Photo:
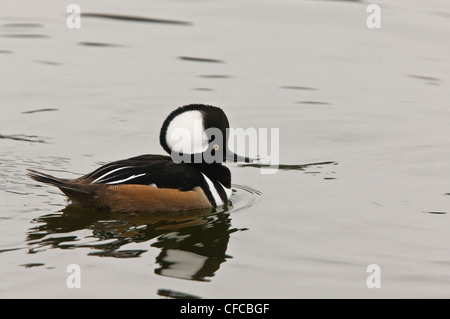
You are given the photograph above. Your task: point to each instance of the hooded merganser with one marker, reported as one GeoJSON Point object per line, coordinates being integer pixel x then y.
{"type": "Point", "coordinates": [193, 177]}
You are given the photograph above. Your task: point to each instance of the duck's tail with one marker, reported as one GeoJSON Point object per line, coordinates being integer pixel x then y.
{"type": "Point", "coordinates": [66, 186]}
{"type": "Point", "coordinates": [45, 178]}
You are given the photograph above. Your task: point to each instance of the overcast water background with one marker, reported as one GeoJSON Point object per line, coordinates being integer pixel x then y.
{"type": "Point", "coordinates": [370, 105]}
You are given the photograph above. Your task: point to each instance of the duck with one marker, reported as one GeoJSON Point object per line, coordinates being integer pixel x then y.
{"type": "Point", "coordinates": [192, 177]}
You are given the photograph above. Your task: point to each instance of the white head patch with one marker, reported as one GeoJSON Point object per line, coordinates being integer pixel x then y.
{"type": "Point", "coordinates": [186, 134]}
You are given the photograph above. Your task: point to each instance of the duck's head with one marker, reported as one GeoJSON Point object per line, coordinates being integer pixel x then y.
{"type": "Point", "coordinates": [197, 133]}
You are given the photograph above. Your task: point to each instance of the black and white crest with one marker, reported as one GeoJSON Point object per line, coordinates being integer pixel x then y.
{"type": "Point", "coordinates": [196, 129]}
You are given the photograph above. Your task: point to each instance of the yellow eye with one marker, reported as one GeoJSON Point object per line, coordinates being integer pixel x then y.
{"type": "Point", "coordinates": [216, 147]}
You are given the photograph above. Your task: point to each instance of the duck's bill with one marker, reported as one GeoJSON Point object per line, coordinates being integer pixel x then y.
{"type": "Point", "coordinates": [232, 157]}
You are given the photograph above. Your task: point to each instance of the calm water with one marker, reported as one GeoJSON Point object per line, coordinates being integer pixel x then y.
{"type": "Point", "coordinates": [364, 139]}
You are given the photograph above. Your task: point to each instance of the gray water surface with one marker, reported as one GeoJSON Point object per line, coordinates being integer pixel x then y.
{"type": "Point", "coordinates": [364, 123]}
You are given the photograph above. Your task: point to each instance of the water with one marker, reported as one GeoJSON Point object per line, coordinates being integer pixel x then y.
{"type": "Point", "coordinates": [364, 142]}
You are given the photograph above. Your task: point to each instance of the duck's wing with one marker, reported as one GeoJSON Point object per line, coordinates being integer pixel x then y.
{"type": "Point", "coordinates": [149, 170]}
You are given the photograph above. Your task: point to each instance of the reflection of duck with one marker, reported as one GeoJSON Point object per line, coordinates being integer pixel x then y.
{"type": "Point", "coordinates": [195, 135]}
{"type": "Point", "coordinates": [193, 243]}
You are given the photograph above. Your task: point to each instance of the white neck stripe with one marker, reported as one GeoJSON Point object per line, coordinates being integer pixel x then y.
{"type": "Point", "coordinates": [213, 191]}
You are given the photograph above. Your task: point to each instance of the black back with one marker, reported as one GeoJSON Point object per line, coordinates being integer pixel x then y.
{"type": "Point", "coordinates": [161, 171]}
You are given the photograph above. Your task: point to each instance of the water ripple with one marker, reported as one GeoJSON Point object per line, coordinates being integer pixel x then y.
{"type": "Point", "coordinates": [122, 17]}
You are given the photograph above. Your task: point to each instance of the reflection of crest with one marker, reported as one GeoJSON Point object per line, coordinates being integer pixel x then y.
{"type": "Point", "coordinates": [195, 252]}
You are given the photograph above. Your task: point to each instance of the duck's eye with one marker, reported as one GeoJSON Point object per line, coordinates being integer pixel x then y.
{"type": "Point", "coordinates": [216, 147]}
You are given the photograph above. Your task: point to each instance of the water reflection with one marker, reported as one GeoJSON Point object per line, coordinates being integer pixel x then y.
{"type": "Point", "coordinates": [195, 252]}
{"type": "Point", "coordinates": [297, 167]}
{"type": "Point", "coordinates": [192, 244]}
